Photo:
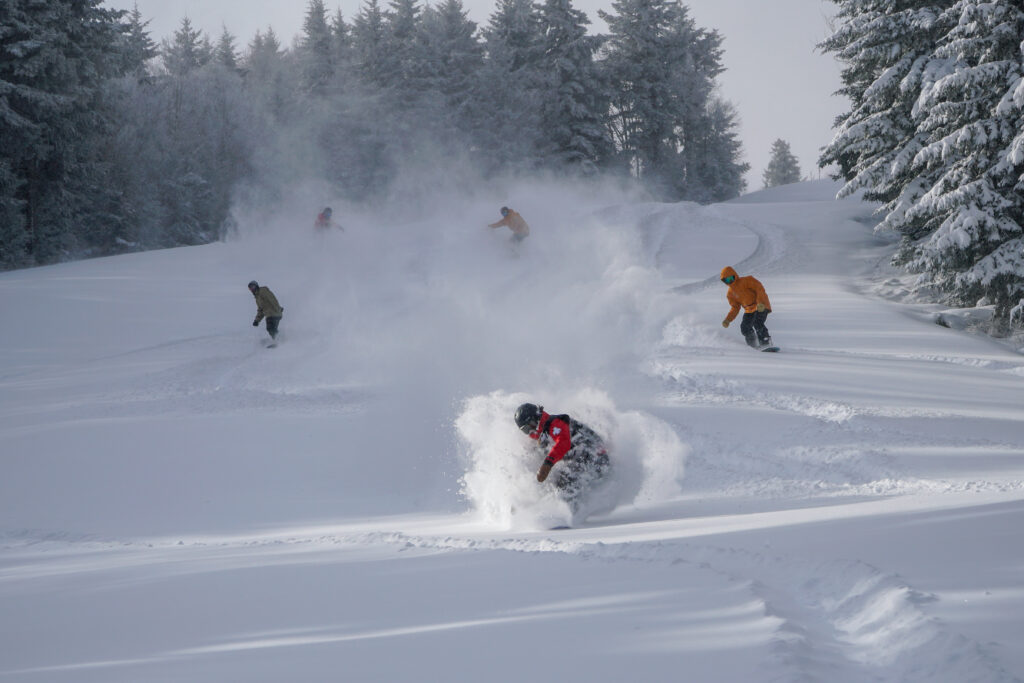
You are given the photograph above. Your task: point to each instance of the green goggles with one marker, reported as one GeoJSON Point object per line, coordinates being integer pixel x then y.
{"type": "Point", "coordinates": [729, 279]}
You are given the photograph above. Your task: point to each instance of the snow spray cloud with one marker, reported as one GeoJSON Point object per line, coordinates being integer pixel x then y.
{"type": "Point", "coordinates": [425, 303]}
{"type": "Point", "coordinates": [501, 463]}
{"type": "Point", "coordinates": [443, 298]}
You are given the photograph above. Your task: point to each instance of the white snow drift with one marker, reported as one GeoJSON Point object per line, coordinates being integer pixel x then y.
{"type": "Point", "coordinates": [180, 503]}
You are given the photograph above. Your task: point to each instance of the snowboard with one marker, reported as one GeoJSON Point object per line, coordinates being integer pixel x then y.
{"type": "Point", "coordinates": [559, 527]}
{"type": "Point", "coordinates": [770, 349]}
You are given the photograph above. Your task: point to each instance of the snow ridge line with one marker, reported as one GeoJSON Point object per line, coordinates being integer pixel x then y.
{"type": "Point", "coordinates": [694, 388]}
{"type": "Point", "coordinates": [821, 450]}
{"type": "Point", "coordinates": [771, 240]}
{"type": "Point", "coordinates": [768, 250]}
{"type": "Point", "coordinates": [878, 626]}
{"type": "Point", "coordinates": [710, 389]}
{"type": "Point", "coordinates": [877, 619]}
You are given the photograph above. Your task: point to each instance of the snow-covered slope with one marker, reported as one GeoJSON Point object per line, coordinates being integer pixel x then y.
{"type": "Point", "coordinates": [180, 503]}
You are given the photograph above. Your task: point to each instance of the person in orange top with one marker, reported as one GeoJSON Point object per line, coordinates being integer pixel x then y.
{"type": "Point", "coordinates": [514, 222]}
{"type": "Point", "coordinates": [749, 293]}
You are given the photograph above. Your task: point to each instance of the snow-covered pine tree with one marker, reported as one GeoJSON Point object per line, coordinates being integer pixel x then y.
{"type": "Point", "coordinates": [697, 55]}
{"type": "Point", "coordinates": [271, 76]}
{"type": "Point", "coordinates": [21, 98]}
{"type": "Point", "coordinates": [640, 74]}
{"type": "Point", "coordinates": [403, 70]}
{"type": "Point", "coordinates": [369, 44]}
{"type": "Point", "coordinates": [264, 57]}
{"type": "Point", "coordinates": [402, 99]}
{"type": "Point", "coordinates": [138, 48]}
{"type": "Point", "coordinates": [187, 51]}
{"type": "Point", "coordinates": [783, 168]}
{"type": "Point", "coordinates": [14, 239]}
{"type": "Point", "coordinates": [716, 172]}
{"type": "Point", "coordinates": [662, 69]}
{"type": "Point", "coordinates": [453, 58]}
{"type": "Point", "coordinates": [225, 53]}
{"type": "Point", "coordinates": [506, 100]}
{"type": "Point", "coordinates": [973, 117]}
{"type": "Point", "coordinates": [341, 41]}
{"type": "Point", "coordinates": [185, 141]}
{"type": "Point", "coordinates": [573, 96]}
{"type": "Point", "coordinates": [886, 47]}
{"type": "Point", "coordinates": [55, 59]}
{"type": "Point", "coordinates": [513, 34]}
{"type": "Point", "coordinates": [316, 50]}
{"type": "Point", "coordinates": [366, 131]}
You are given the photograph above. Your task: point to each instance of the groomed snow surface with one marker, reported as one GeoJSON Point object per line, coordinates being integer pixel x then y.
{"type": "Point", "coordinates": [179, 503]}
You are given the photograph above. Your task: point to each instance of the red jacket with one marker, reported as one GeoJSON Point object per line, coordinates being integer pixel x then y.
{"type": "Point", "coordinates": [558, 430]}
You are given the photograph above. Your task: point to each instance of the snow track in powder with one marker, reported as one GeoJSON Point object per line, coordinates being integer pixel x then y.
{"type": "Point", "coordinates": [824, 619]}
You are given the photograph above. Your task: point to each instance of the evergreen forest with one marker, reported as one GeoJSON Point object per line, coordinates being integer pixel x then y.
{"type": "Point", "coordinates": [112, 140]}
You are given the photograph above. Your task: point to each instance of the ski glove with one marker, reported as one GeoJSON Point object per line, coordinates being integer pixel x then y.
{"type": "Point", "coordinates": [725, 323]}
{"type": "Point", "coordinates": [255, 323]}
{"type": "Point", "coordinates": [761, 308]}
{"type": "Point", "coordinates": [543, 472]}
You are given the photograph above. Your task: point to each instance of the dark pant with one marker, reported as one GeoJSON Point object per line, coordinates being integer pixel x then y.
{"type": "Point", "coordinates": [579, 471]}
{"type": "Point", "coordinates": [753, 329]}
{"type": "Point", "coordinates": [272, 323]}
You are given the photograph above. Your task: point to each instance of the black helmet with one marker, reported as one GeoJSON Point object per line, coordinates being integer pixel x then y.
{"type": "Point", "coordinates": [504, 211]}
{"type": "Point", "coordinates": [254, 285]}
{"type": "Point", "coordinates": [528, 417]}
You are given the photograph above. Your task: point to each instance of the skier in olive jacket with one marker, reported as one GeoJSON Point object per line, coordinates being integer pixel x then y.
{"type": "Point", "coordinates": [581, 451]}
{"type": "Point", "coordinates": [266, 306]}
{"type": "Point", "coordinates": [749, 293]}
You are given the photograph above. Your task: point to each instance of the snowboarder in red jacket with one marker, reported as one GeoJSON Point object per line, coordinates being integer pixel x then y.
{"type": "Point", "coordinates": [581, 451]}
{"type": "Point", "coordinates": [323, 219]}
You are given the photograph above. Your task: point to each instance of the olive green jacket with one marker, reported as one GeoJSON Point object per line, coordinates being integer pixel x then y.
{"type": "Point", "coordinates": [266, 304]}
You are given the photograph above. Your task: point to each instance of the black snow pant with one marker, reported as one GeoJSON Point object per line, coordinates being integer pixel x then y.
{"type": "Point", "coordinates": [272, 323]}
{"type": "Point", "coordinates": [578, 472]}
{"type": "Point", "coordinates": [753, 329]}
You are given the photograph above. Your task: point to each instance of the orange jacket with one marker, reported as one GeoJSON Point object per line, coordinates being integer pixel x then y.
{"type": "Point", "coordinates": [514, 222]}
{"type": "Point", "coordinates": [744, 291]}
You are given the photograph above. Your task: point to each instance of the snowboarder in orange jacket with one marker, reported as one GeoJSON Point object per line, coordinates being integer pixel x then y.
{"type": "Point", "coordinates": [514, 222]}
{"type": "Point", "coordinates": [749, 293]}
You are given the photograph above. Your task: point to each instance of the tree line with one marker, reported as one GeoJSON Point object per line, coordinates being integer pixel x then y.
{"type": "Point", "coordinates": [935, 133]}
{"type": "Point", "coordinates": [112, 142]}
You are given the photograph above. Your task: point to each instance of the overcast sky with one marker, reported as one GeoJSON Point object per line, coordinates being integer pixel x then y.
{"type": "Point", "coordinates": [781, 85]}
